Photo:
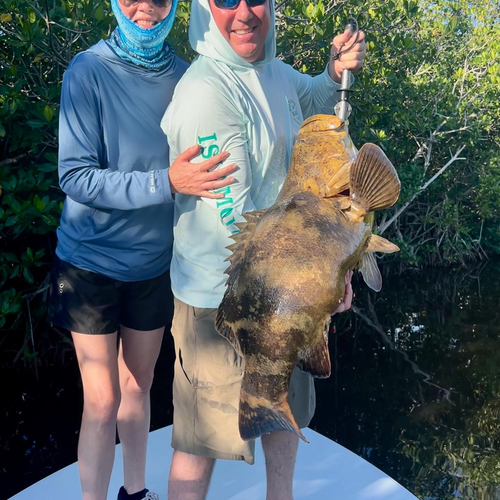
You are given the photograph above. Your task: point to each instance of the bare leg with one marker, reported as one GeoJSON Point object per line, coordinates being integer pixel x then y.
{"type": "Point", "coordinates": [101, 395]}
{"type": "Point", "coordinates": [280, 449]}
{"type": "Point", "coordinates": [136, 361]}
{"type": "Point", "coordinates": [189, 476]}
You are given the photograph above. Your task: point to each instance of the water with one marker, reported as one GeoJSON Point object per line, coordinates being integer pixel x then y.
{"type": "Point", "coordinates": [415, 389]}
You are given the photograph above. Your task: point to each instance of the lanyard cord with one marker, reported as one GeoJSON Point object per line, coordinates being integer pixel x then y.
{"type": "Point", "coordinates": [353, 27]}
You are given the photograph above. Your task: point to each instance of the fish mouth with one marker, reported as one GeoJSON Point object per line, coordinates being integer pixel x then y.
{"type": "Point", "coordinates": [323, 124]}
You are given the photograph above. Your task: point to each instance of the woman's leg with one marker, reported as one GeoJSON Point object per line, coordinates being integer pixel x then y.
{"type": "Point", "coordinates": [101, 395]}
{"type": "Point", "coordinates": [137, 357]}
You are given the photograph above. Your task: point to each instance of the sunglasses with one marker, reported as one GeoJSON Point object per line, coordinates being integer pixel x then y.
{"type": "Point", "coordinates": [162, 4]}
{"type": "Point", "coordinates": [232, 4]}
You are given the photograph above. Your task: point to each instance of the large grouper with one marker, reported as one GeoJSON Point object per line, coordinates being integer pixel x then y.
{"type": "Point", "coordinates": [288, 265]}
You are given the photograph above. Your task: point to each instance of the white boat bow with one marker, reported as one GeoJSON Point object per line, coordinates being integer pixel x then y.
{"type": "Point", "coordinates": [324, 470]}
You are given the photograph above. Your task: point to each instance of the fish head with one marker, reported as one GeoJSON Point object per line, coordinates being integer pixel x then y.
{"type": "Point", "coordinates": [321, 158]}
{"type": "Point", "coordinates": [318, 124]}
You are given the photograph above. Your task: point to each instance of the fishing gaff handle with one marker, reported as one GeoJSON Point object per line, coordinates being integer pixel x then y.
{"type": "Point", "coordinates": [343, 108]}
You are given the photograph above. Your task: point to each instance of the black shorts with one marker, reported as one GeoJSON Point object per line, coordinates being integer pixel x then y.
{"type": "Point", "coordinates": [86, 302]}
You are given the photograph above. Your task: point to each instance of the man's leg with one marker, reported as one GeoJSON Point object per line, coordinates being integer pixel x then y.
{"type": "Point", "coordinates": [280, 449]}
{"type": "Point", "coordinates": [189, 476]}
{"type": "Point", "coordinates": [137, 357]}
{"type": "Point", "coordinates": [101, 395]}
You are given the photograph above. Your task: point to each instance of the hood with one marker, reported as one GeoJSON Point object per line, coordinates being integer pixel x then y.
{"type": "Point", "coordinates": [206, 39]}
{"type": "Point", "coordinates": [104, 50]}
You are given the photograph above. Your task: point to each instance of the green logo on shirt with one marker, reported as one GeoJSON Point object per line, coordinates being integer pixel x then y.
{"type": "Point", "coordinates": [210, 149]}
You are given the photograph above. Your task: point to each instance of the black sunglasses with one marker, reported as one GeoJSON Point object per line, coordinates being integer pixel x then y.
{"type": "Point", "coordinates": [232, 4]}
{"type": "Point", "coordinates": [159, 3]}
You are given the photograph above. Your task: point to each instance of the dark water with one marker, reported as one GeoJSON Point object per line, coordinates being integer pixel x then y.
{"type": "Point", "coordinates": [415, 389]}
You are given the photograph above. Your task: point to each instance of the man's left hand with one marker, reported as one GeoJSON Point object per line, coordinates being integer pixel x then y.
{"type": "Point", "coordinates": [353, 59]}
{"type": "Point", "coordinates": [345, 304]}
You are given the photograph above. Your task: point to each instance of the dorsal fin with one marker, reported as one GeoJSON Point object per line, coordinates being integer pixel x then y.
{"type": "Point", "coordinates": [241, 240]}
{"type": "Point", "coordinates": [370, 271]}
{"type": "Point", "coordinates": [374, 182]}
{"type": "Point", "coordinates": [378, 244]}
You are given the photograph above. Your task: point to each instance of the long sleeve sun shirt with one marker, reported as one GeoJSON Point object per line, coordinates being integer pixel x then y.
{"type": "Point", "coordinates": [252, 111]}
{"type": "Point", "coordinates": [113, 166]}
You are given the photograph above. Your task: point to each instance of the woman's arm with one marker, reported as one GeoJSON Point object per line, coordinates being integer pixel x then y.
{"type": "Point", "coordinates": [81, 173]}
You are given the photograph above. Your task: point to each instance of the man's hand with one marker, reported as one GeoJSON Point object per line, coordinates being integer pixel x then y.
{"type": "Point", "coordinates": [196, 178]}
{"type": "Point", "coordinates": [352, 60]}
{"type": "Point", "coordinates": [347, 301]}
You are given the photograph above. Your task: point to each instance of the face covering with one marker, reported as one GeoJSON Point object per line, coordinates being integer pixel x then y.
{"type": "Point", "coordinates": [145, 47]}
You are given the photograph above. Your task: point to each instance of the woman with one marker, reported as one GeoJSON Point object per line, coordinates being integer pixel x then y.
{"type": "Point", "coordinates": [111, 272]}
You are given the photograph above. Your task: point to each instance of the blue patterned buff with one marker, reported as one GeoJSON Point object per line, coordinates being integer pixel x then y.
{"type": "Point", "coordinates": [145, 47]}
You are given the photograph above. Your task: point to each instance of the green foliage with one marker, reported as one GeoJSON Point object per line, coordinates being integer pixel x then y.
{"type": "Point", "coordinates": [37, 42]}
{"type": "Point", "coordinates": [430, 87]}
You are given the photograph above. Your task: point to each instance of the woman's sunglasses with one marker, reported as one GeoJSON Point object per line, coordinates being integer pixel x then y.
{"type": "Point", "coordinates": [159, 3]}
{"type": "Point", "coordinates": [232, 4]}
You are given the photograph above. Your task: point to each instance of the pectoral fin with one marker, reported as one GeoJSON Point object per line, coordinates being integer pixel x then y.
{"type": "Point", "coordinates": [340, 180]}
{"type": "Point", "coordinates": [225, 328]}
{"type": "Point", "coordinates": [315, 359]}
{"type": "Point", "coordinates": [370, 271]}
{"type": "Point", "coordinates": [374, 183]}
{"type": "Point", "coordinates": [378, 244]}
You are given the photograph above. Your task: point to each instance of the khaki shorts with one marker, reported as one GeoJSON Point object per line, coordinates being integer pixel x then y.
{"type": "Point", "coordinates": [206, 392]}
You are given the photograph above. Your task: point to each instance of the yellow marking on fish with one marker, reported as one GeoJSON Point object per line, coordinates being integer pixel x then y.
{"type": "Point", "coordinates": [255, 362]}
{"type": "Point", "coordinates": [255, 401]}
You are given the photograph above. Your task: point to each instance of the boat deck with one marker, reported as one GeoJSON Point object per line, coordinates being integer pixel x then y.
{"type": "Point", "coordinates": [325, 470]}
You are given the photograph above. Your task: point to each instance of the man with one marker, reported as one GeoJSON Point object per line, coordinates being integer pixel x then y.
{"type": "Point", "coordinates": [235, 97]}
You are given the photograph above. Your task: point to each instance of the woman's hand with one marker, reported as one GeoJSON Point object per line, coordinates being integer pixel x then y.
{"type": "Point", "coordinates": [197, 179]}
{"type": "Point", "coordinates": [347, 301]}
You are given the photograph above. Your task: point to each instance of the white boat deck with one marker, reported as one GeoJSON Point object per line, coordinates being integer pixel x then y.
{"type": "Point", "coordinates": [325, 470]}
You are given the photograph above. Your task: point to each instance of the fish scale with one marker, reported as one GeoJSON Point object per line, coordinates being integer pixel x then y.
{"type": "Point", "coordinates": [287, 268]}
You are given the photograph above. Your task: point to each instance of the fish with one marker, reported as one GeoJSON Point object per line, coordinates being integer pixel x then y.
{"type": "Point", "coordinates": [288, 266]}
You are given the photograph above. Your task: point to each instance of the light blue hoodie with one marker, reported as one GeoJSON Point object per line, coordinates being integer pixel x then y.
{"type": "Point", "coordinates": [253, 111]}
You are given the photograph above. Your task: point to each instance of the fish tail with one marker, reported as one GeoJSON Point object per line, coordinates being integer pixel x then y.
{"type": "Point", "coordinates": [260, 416]}
{"type": "Point", "coordinates": [374, 182]}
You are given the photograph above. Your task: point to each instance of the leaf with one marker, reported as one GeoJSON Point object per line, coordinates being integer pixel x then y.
{"type": "Point", "coordinates": [454, 23]}
{"type": "Point", "coordinates": [10, 257]}
{"type": "Point", "coordinates": [39, 204]}
{"type": "Point", "coordinates": [99, 12]}
{"type": "Point", "coordinates": [47, 167]}
{"type": "Point", "coordinates": [28, 276]}
{"type": "Point", "coordinates": [52, 157]}
{"type": "Point", "coordinates": [2, 130]}
{"type": "Point", "coordinates": [11, 220]}
{"type": "Point", "coordinates": [48, 112]}
{"type": "Point", "coordinates": [31, 17]}
{"type": "Point", "coordinates": [5, 18]}
{"type": "Point", "coordinates": [35, 123]}
{"type": "Point", "coordinates": [310, 11]}
{"type": "Point", "coordinates": [40, 253]}
{"type": "Point", "coordinates": [14, 203]}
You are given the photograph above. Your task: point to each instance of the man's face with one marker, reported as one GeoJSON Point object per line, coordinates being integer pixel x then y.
{"type": "Point", "coordinates": [245, 28]}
